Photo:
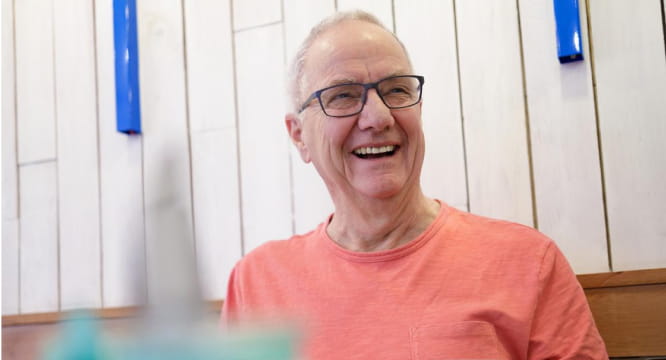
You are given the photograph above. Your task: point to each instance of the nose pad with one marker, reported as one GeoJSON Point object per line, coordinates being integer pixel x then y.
{"type": "Point", "coordinates": [375, 113]}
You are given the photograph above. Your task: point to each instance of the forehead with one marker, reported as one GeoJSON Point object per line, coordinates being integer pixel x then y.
{"type": "Point", "coordinates": [353, 51]}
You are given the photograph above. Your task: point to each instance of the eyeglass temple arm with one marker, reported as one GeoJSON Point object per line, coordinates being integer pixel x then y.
{"type": "Point", "coordinates": [307, 102]}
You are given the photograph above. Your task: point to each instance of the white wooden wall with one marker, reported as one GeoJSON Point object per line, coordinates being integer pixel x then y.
{"type": "Point", "coordinates": [575, 150]}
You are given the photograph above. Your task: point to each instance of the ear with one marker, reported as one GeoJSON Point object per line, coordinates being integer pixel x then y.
{"type": "Point", "coordinates": [295, 130]}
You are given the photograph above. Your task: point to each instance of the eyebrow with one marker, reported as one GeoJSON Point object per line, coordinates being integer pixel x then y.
{"type": "Point", "coordinates": [354, 81]}
{"type": "Point", "coordinates": [342, 81]}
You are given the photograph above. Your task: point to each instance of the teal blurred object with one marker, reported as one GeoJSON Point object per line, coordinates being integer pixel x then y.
{"type": "Point", "coordinates": [269, 346]}
{"type": "Point", "coordinates": [81, 338]}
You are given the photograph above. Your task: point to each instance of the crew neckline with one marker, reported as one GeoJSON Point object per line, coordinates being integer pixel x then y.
{"type": "Point", "coordinates": [390, 254]}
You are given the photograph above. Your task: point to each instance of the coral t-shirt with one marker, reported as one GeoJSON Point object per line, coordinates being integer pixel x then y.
{"type": "Point", "coordinates": [468, 287]}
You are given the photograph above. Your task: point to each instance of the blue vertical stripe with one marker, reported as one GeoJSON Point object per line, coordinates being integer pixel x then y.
{"type": "Point", "coordinates": [567, 21]}
{"type": "Point", "coordinates": [128, 105]}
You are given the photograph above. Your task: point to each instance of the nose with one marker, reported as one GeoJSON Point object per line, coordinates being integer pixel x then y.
{"type": "Point", "coordinates": [375, 115]}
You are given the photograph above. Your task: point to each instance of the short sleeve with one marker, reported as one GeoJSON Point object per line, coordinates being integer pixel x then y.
{"type": "Point", "coordinates": [563, 326]}
{"type": "Point", "coordinates": [232, 302]}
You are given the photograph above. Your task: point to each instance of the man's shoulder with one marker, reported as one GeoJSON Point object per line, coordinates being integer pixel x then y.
{"type": "Point", "coordinates": [503, 233]}
{"type": "Point", "coordinates": [284, 250]}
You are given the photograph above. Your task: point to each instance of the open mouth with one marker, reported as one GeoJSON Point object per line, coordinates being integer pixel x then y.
{"type": "Point", "coordinates": [373, 152]}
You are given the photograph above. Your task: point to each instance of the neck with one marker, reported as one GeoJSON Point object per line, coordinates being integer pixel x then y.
{"type": "Point", "coordinates": [381, 224]}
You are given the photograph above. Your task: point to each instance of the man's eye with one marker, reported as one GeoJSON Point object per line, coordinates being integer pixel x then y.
{"type": "Point", "coordinates": [342, 96]}
{"type": "Point", "coordinates": [398, 90]}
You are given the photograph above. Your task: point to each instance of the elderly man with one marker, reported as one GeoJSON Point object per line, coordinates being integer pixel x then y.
{"type": "Point", "coordinates": [393, 274]}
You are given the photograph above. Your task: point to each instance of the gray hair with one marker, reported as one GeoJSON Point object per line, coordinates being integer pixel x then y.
{"type": "Point", "coordinates": [295, 77]}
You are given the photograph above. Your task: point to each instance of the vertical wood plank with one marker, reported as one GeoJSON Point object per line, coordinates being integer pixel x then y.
{"type": "Point", "coordinates": [212, 113]}
{"type": "Point", "coordinates": [299, 17]}
{"type": "Point", "coordinates": [166, 152]}
{"type": "Point", "coordinates": [9, 166]}
{"type": "Point", "coordinates": [312, 203]}
{"type": "Point", "coordinates": [34, 81]}
{"type": "Point", "coordinates": [121, 185]}
{"type": "Point", "coordinates": [217, 221]}
{"type": "Point", "coordinates": [10, 267]}
{"type": "Point", "coordinates": [382, 9]}
{"type": "Point", "coordinates": [39, 265]}
{"type": "Point", "coordinates": [494, 110]}
{"type": "Point", "coordinates": [443, 174]}
{"type": "Point", "coordinates": [264, 144]}
{"type": "Point", "coordinates": [78, 182]}
{"type": "Point", "coordinates": [210, 71]}
{"type": "Point", "coordinates": [252, 13]}
{"type": "Point", "coordinates": [630, 70]}
{"type": "Point", "coordinates": [567, 174]}
{"type": "Point", "coordinates": [10, 253]}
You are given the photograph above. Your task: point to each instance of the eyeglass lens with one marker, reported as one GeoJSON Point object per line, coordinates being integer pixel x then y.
{"type": "Point", "coordinates": [347, 99]}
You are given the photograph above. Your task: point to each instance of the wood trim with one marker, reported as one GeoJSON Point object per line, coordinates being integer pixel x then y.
{"type": "Point", "coordinates": [628, 310]}
{"type": "Point", "coordinates": [630, 319]}
{"type": "Point", "coordinates": [623, 278]}
{"type": "Point", "coordinates": [107, 313]}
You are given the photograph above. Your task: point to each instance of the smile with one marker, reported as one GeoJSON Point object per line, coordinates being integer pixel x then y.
{"type": "Point", "coordinates": [372, 152]}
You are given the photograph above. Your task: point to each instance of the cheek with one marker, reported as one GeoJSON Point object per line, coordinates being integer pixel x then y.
{"type": "Point", "coordinates": [335, 132]}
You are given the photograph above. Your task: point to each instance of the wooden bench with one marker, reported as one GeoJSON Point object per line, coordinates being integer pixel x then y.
{"type": "Point", "coordinates": [630, 310]}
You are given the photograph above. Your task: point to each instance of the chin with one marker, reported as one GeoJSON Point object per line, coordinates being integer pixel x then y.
{"type": "Point", "coordinates": [381, 190]}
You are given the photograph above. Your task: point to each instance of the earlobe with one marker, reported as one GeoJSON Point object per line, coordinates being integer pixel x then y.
{"type": "Point", "coordinates": [295, 130]}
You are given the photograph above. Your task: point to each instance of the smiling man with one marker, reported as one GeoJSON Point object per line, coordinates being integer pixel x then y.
{"type": "Point", "coordinates": [393, 274]}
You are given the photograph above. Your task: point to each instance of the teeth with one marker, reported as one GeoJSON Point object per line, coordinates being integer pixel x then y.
{"type": "Point", "coordinates": [374, 150]}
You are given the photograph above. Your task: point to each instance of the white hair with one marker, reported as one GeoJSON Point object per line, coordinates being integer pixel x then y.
{"type": "Point", "coordinates": [296, 69]}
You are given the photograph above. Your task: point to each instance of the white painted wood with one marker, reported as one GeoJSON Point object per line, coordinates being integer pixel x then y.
{"type": "Point", "coordinates": [264, 145]}
{"type": "Point", "coordinates": [10, 266]}
{"type": "Point", "coordinates": [567, 173]}
{"type": "Point", "coordinates": [312, 203]}
{"type": "Point", "coordinates": [443, 174]}
{"type": "Point", "coordinates": [34, 81]}
{"type": "Point", "coordinates": [9, 167]}
{"type": "Point", "coordinates": [299, 17]}
{"type": "Point", "coordinates": [39, 266]}
{"type": "Point", "coordinates": [166, 166]}
{"type": "Point", "coordinates": [78, 182]}
{"type": "Point", "coordinates": [210, 72]}
{"type": "Point", "coordinates": [216, 208]}
{"type": "Point", "coordinates": [121, 186]}
{"type": "Point", "coordinates": [10, 232]}
{"type": "Point", "coordinates": [251, 13]}
{"type": "Point", "coordinates": [382, 9]}
{"type": "Point", "coordinates": [494, 110]}
{"type": "Point", "coordinates": [630, 69]}
{"type": "Point", "coordinates": [212, 113]}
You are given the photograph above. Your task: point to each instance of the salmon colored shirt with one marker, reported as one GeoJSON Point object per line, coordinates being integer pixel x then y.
{"type": "Point", "coordinates": [468, 287]}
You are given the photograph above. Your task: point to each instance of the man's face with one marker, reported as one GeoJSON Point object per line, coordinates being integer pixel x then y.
{"type": "Point", "coordinates": [356, 51]}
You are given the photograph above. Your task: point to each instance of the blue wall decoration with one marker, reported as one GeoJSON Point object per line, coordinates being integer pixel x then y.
{"type": "Point", "coordinates": [567, 21]}
{"type": "Point", "coordinates": [128, 105]}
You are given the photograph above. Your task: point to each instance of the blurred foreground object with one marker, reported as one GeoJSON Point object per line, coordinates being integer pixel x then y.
{"type": "Point", "coordinates": [81, 339]}
{"type": "Point", "coordinates": [175, 323]}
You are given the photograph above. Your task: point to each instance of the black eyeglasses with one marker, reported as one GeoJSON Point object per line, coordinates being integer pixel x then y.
{"type": "Point", "coordinates": [344, 100]}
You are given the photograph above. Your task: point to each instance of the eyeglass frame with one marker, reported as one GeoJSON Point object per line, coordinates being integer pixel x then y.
{"type": "Point", "coordinates": [364, 97]}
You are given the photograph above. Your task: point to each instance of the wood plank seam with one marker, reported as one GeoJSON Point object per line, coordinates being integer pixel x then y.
{"type": "Point", "coordinates": [599, 145]}
{"type": "Point", "coordinates": [528, 131]}
{"type": "Point", "coordinates": [285, 65]}
{"type": "Point", "coordinates": [460, 104]}
{"type": "Point", "coordinates": [237, 128]}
